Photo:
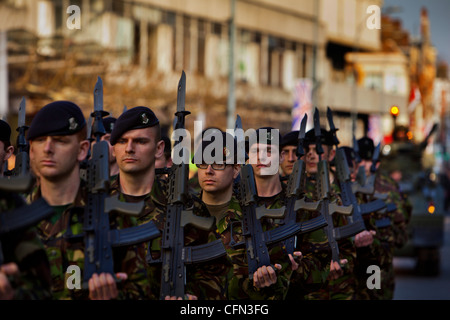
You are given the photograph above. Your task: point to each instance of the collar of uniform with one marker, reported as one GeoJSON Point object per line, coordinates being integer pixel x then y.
{"type": "Point", "coordinates": [46, 228]}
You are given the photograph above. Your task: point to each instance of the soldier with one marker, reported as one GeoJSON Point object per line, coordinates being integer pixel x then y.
{"type": "Point", "coordinates": [136, 139]}
{"type": "Point", "coordinates": [390, 237]}
{"type": "Point", "coordinates": [335, 281]}
{"type": "Point", "coordinates": [216, 182]}
{"type": "Point", "coordinates": [25, 272]}
{"type": "Point", "coordinates": [263, 154]}
{"type": "Point", "coordinates": [288, 147]}
{"type": "Point", "coordinates": [57, 137]}
{"type": "Point", "coordinates": [368, 243]}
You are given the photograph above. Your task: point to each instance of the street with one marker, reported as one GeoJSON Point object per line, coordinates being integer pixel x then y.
{"type": "Point", "coordinates": [410, 286]}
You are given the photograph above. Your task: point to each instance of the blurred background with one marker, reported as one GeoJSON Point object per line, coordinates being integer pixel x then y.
{"type": "Point", "coordinates": [270, 61]}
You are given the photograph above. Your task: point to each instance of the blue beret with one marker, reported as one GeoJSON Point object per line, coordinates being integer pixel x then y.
{"type": "Point", "coordinates": [366, 148]}
{"type": "Point", "coordinates": [5, 131]}
{"type": "Point", "coordinates": [326, 137]}
{"type": "Point", "coordinates": [57, 119]}
{"type": "Point", "coordinates": [134, 118]}
{"type": "Point", "coordinates": [290, 139]}
{"type": "Point", "coordinates": [270, 136]}
{"type": "Point", "coordinates": [229, 152]}
{"type": "Point", "coordinates": [109, 123]}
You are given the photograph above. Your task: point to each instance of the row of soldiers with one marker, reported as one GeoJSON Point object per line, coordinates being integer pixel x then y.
{"type": "Point", "coordinates": [36, 260]}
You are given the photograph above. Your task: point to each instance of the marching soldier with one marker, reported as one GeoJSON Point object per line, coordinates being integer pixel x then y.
{"type": "Point", "coordinates": [57, 137]}
{"type": "Point", "coordinates": [394, 236]}
{"type": "Point", "coordinates": [24, 267]}
{"type": "Point", "coordinates": [216, 182]}
{"type": "Point", "coordinates": [336, 280]}
{"type": "Point", "coordinates": [137, 143]}
{"type": "Point", "coordinates": [288, 147]}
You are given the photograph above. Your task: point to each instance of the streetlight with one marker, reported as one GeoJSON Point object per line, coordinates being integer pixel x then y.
{"type": "Point", "coordinates": [394, 113]}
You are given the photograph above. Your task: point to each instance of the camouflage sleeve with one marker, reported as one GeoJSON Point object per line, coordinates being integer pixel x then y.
{"type": "Point", "coordinates": [131, 260]}
{"type": "Point", "coordinates": [34, 281]}
{"type": "Point", "coordinates": [399, 217]}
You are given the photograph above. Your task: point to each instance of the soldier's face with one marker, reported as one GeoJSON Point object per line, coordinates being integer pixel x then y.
{"type": "Point", "coordinates": [56, 157]}
{"type": "Point", "coordinates": [265, 159]}
{"type": "Point", "coordinates": [311, 157]}
{"type": "Point", "coordinates": [217, 181]}
{"type": "Point", "coordinates": [136, 149]}
{"type": "Point", "coordinates": [289, 158]}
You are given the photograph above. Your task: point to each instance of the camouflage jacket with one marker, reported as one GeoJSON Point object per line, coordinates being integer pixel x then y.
{"type": "Point", "coordinates": [62, 235]}
{"type": "Point", "coordinates": [235, 280]}
{"type": "Point", "coordinates": [317, 242]}
{"type": "Point", "coordinates": [201, 278]}
{"type": "Point", "coordinates": [24, 248]}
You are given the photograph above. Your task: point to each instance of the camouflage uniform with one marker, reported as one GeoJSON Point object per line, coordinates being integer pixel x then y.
{"type": "Point", "coordinates": [236, 279]}
{"type": "Point", "coordinates": [391, 237]}
{"type": "Point", "coordinates": [65, 247]}
{"type": "Point", "coordinates": [369, 255]}
{"type": "Point", "coordinates": [26, 250]}
{"type": "Point", "coordinates": [321, 287]}
{"type": "Point", "coordinates": [200, 277]}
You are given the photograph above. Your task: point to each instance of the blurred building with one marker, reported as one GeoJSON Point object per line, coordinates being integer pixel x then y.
{"type": "Point", "coordinates": [140, 47]}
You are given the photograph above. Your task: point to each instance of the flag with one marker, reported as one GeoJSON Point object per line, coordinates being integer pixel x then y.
{"type": "Point", "coordinates": [414, 99]}
{"type": "Point", "coordinates": [302, 102]}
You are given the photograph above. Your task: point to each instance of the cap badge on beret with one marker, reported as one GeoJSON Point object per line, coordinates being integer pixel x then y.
{"type": "Point", "coordinates": [144, 118]}
{"type": "Point", "coordinates": [73, 125]}
{"type": "Point", "coordinates": [226, 152]}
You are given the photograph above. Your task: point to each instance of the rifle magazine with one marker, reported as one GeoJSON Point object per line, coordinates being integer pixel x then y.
{"type": "Point", "coordinates": [133, 235]}
{"type": "Point", "coordinates": [349, 230]}
{"type": "Point", "coordinates": [205, 252]}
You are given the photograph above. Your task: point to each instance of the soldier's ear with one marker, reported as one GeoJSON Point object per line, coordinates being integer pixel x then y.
{"type": "Point", "coordinates": [8, 153]}
{"type": "Point", "coordinates": [331, 154]}
{"type": "Point", "coordinates": [83, 150]}
{"type": "Point", "coordinates": [160, 149]}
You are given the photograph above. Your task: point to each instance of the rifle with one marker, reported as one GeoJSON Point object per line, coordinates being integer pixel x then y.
{"type": "Point", "coordinates": [24, 216]}
{"type": "Point", "coordinates": [366, 186]}
{"type": "Point", "coordinates": [22, 163]}
{"type": "Point", "coordinates": [99, 239]}
{"type": "Point", "coordinates": [356, 221]}
{"type": "Point", "coordinates": [84, 163]}
{"type": "Point", "coordinates": [175, 255]}
{"type": "Point", "coordinates": [295, 192]}
{"type": "Point", "coordinates": [327, 208]}
{"type": "Point", "coordinates": [256, 240]}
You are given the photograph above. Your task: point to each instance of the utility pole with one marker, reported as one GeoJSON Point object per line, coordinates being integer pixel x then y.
{"type": "Point", "coordinates": [231, 102]}
{"type": "Point", "coordinates": [3, 75]}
